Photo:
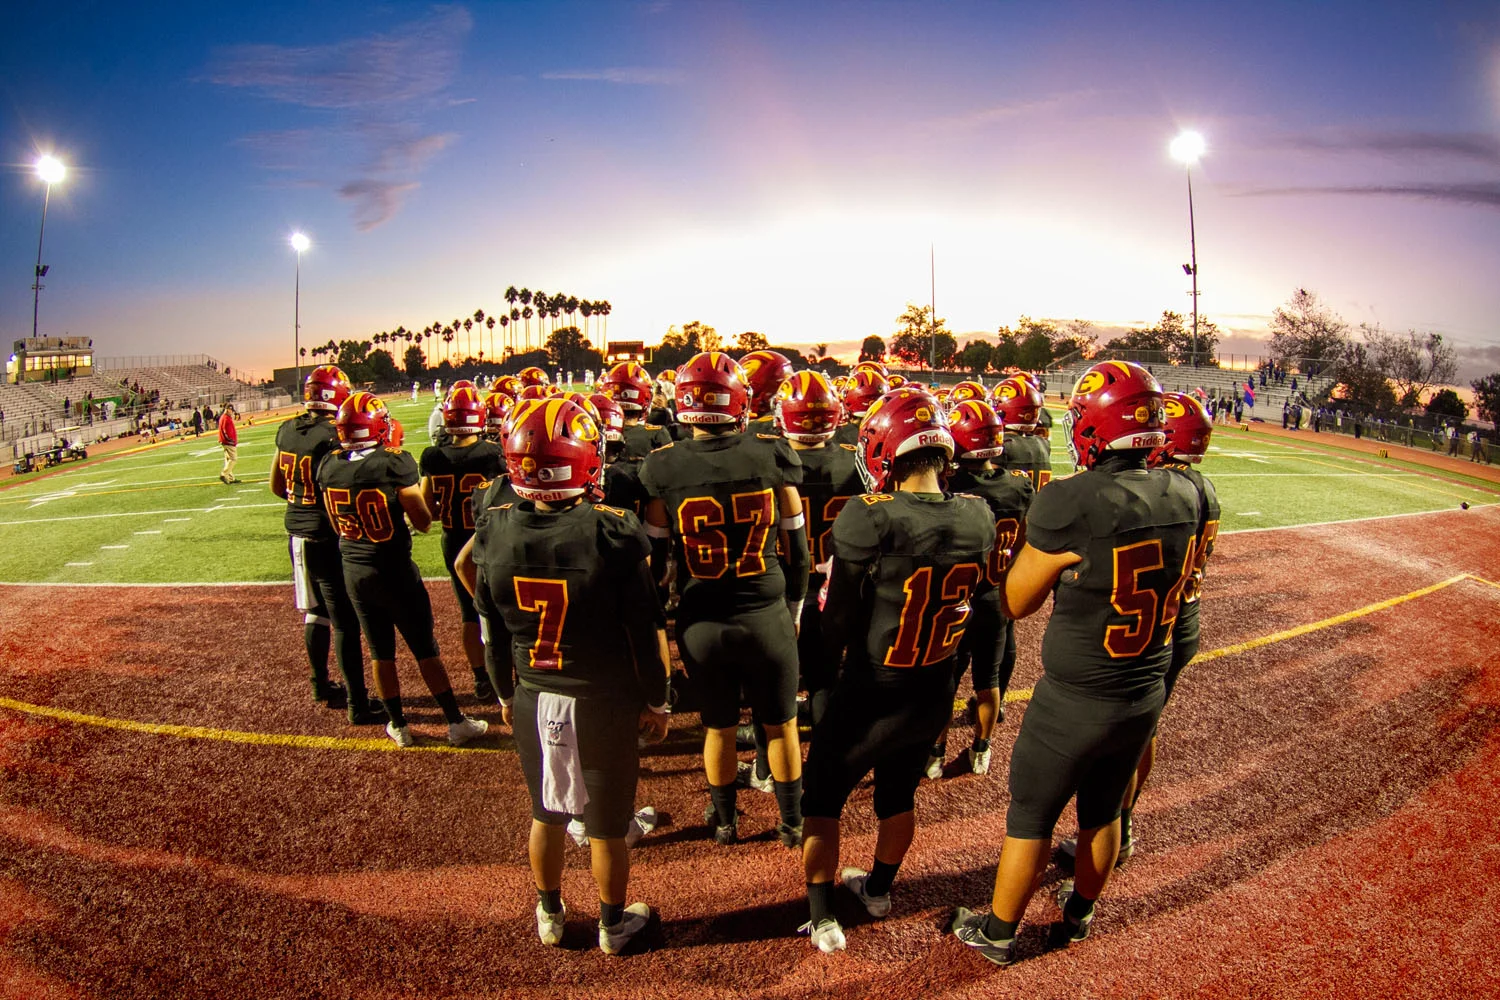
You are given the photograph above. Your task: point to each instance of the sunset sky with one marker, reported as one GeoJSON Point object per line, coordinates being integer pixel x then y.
{"type": "Point", "coordinates": [780, 167]}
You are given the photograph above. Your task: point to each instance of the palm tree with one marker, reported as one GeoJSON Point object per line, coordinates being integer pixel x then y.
{"type": "Point", "coordinates": [448, 340]}
{"type": "Point", "coordinates": [515, 317]}
{"type": "Point", "coordinates": [604, 309]}
{"type": "Point", "coordinates": [572, 309]}
{"type": "Point", "coordinates": [587, 308]}
{"type": "Point", "coordinates": [526, 315]}
{"type": "Point", "coordinates": [511, 295]}
{"type": "Point", "coordinates": [489, 324]}
{"type": "Point", "coordinates": [469, 331]}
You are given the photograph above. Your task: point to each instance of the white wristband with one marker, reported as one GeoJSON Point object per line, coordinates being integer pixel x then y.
{"type": "Point", "coordinates": [793, 523]}
{"type": "Point", "coordinates": [795, 607]}
{"type": "Point", "coordinates": [653, 531]}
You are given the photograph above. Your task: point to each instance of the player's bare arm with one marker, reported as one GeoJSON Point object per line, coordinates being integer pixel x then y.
{"type": "Point", "coordinates": [1032, 577]}
{"type": "Point", "coordinates": [416, 508]}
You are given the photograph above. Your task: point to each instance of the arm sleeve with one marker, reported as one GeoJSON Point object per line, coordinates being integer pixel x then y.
{"type": "Point", "coordinates": [798, 560]}
{"type": "Point", "coordinates": [856, 547]}
{"type": "Point", "coordinates": [498, 662]}
{"type": "Point", "coordinates": [403, 468]}
{"type": "Point", "coordinates": [624, 540]}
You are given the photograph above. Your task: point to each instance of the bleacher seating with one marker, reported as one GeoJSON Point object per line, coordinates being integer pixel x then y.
{"type": "Point", "coordinates": [1213, 381]}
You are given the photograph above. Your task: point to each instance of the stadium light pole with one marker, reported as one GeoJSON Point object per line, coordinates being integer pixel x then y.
{"type": "Point", "coordinates": [299, 243]}
{"type": "Point", "coordinates": [51, 170]}
{"type": "Point", "coordinates": [1186, 149]}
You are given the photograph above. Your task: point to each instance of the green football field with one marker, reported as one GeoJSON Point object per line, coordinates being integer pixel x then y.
{"type": "Point", "coordinates": [162, 516]}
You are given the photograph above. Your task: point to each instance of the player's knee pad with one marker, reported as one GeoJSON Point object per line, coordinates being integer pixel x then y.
{"type": "Point", "coordinates": [317, 620]}
{"type": "Point", "coordinates": [890, 802]}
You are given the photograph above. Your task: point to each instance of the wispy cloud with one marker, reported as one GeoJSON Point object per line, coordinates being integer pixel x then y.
{"type": "Point", "coordinates": [635, 76]}
{"type": "Point", "coordinates": [1482, 193]}
{"type": "Point", "coordinates": [372, 94]}
{"type": "Point", "coordinates": [1470, 147]}
{"type": "Point", "coordinates": [1007, 110]}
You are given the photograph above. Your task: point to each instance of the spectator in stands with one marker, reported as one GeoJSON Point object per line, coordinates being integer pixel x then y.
{"type": "Point", "coordinates": [1475, 455]}
{"type": "Point", "coordinates": [67, 406]}
{"type": "Point", "coordinates": [229, 438]}
{"type": "Point", "coordinates": [197, 423]}
{"type": "Point", "coordinates": [1453, 439]}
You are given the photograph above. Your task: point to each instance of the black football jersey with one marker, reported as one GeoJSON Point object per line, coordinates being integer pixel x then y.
{"type": "Point", "coordinates": [847, 433]}
{"type": "Point", "coordinates": [720, 495]}
{"type": "Point", "coordinates": [829, 480]}
{"type": "Point", "coordinates": [1110, 634]}
{"type": "Point", "coordinates": [454, 473]}
{"type": "Point", "coordinates": [301, 445]}
{"type": "Point", "coordinates": [360, 493]}
{"type": "Point", "coordinates": [642, 439]}
{"type": "Point", "coordinates": [1008, 496]}
{"type": "Point", "coordinates": [492, 493]}
{"type": "Point", "coordinates": [905, 568]}
{"type": "Point", "coordinates": [763, 425]}
{"type": "Point", "coordinates": [1029, 454]}
{"type": "Point", "coordinates": [575, 595]}
{"type": "Point", "coordinates": [622, 486]}
{"type": "Point", "coordinates": [1203, 547]}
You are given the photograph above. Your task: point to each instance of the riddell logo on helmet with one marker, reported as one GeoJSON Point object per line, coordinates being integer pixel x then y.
{"type": "Point", "coordinates": [931, 439]}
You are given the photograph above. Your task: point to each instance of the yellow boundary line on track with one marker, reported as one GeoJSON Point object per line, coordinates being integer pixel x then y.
{"type": "Point", "coordinates": [383, 745]}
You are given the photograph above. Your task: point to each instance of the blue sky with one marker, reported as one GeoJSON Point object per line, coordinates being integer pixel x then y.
{"type": "Point", "coordinates": [771, 166]}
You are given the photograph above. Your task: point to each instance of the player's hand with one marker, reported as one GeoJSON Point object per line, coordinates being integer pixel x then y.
{"type": "Point", "coordinates": [506, 715]}
{"type": "Point", "coordinates": [653, 725]}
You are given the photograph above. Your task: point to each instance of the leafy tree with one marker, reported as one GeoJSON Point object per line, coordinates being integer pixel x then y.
{"type": "Point", "coordinates": [416, 365]}
{"type": "Point", "coordinates": [680, 345]}
{"type": "Point", "coordinates": [751, 341]}
{"type": "Point", "coordinates": [1361, 380]}
{"type": "Point", "coordinates": [569, 350]}
{"type": "Point", "coordinates": [1445, 403]}
{"type": "Point", "coordinates": [1151, 339]}
{"type": "Point", "coordinates": [1414, 361]}
{"type": "Point", "coordinates": [382, 366]}
{"type": "Point", "coordinates": [1487, 397]}
{"type": "Point", "coordinates": [1076, 336]}
{"type": "Point", "coordinates": [1034, 350]}
{"type": "Point", "coordinates": [975, 357]}
{"type": "Point", "coordinates": [873, 349]}
{"type": "Point", "coordinates": [920, 340]}
{"type": "Point", "coordinates": [1306, 328]}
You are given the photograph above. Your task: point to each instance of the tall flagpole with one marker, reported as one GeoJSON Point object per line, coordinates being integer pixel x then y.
{"type": "Point", "coordinates": [932, 277]}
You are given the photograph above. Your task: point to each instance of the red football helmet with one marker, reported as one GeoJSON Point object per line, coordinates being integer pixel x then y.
{"type": "Point", "coordinates": [363, 422]}
{"type": "Point", "coordinates": [533, 376]}
{"type": "Point", "coordinates": [554, 452]}
{"type": "Point", "coordinates": [941, 394]}
{"type": "Point", "coordinates": [765, 372]}
{"type": "Point", "coordinates": [582, 399]}
{"type": "Point", "coordinates": [711, 389]}
{"type": "Point", "coordinates": [967, 389]}
{"type": "Point", "coordinates": [808, 410]}
{"type": "Point", "coordinates": [874, 366]}
{"type": "Point", "coordinates": [978, 432]}
{"type": "Point", "coordinates": [326, 388]}
{"type": "Point", "coordinates": [463, 411]}
{"type": "Point", "coordinates": [901, 421]}
{"type": "Point", "coordinates": [1116, 405]}
{"type": "Point", "coordinates": [1188, 430]}
{"type": "Point", "coordinates": [508, 384]}
{"type": "Point", "coordinates": [497, 410]}
{"type": "Point", "coordinates": [865, 387]}
{"type": "Point", "coordinates": [628, 384]}
{"type": "Point", "coordinates": [463, 383]}
{"type": "Point", "coordinates": [1018, 403]}
{"type": "Point", "coordinates": [611, 416]}
{"type": "Point", "coordinates": [535, 392]}
{"type": "Point", "coordinates": [896, 381]}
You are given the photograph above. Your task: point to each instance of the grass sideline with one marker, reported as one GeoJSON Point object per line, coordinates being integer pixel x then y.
{"type": "Point", "coordinates": [158, 514]}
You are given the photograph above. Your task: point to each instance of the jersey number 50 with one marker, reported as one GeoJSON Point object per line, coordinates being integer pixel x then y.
{"type": "Point", "coordinates": [370, 518]}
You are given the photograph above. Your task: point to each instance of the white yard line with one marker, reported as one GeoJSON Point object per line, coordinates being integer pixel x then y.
{"type": "Point", "coordinates": [153, 531]}
{"type": "Point", "coordinates": [114, 546]}
{"type": "Point", "coordinates": [138, 513]}
{"type": "Point", "coordinates": [77, 564]}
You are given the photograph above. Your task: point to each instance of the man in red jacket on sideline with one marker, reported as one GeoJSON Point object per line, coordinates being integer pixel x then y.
{"type": "Point", "coordinates": [229, 438]}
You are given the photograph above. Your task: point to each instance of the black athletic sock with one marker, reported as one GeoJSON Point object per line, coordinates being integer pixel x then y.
{"type": "Point", "coordinates": [980, 746]}
{"type": "Point", "coordinates": [1124, 826]}
{"type": "Point", "coordinates": [999, 930]}
{"type": "Point", "coordinates": [351, 664]}
{"type": "Point", "coordinates": [393, 709]}
{"type": "Point", "coordinates": [723, 798]}
{"type": "Point", "coordinates": [789, 801]}
{"type": "Point", "coordinates": [610, 913]}
{"type": "Point", "coordinates": [1077, 908]}
{"type": "Point", "coordinates": [819, 901]}
{"type": "Point", "coordinates": [881, 877]}
{"type": "Point", "coordinates": [449, 704]}
{"type": "Point", "coordinates": [315, 637]}
{"type": "Point", "coordinates": [762, 756]}
{"type": "Point", "coordinates": [551, 900]}
{"type": "Point", "coordinates": [940, 750]}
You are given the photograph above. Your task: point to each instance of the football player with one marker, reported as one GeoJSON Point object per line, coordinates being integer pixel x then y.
{"type": "Point", "coordinates": [370, 491]}
{"type": "Point", "coordinates": [1113, 546]}
{"type": "Point", "coordinates": [629, 385]}
{"type": "Point", "coordinates": [450, 473]}
{"type": "Point", "coordinates": [808, 415]}
{"type": "Point", "coordinates": [989, 642]}
{"type": "Point", "coordinates": [1188, 431]}
{"type": "Point", "coordinates": [722, 498]}
{"type": "Point", "coordinates": [570, 611]}
{"type": "Point", "coordinates": [497, 409]}
{"type": "Point", "coordinates": [865, 387]}
{"type": "Point", "coordinates": [907, 559]}
{"type": "Point", "coordinates": [317, 574]}
{"type": "Point", "coordinates": [436, 433]}
{"type": "Point", "coordinates": [765, 373]}
{"type": "Point", "coordinates": [1018, 403]}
